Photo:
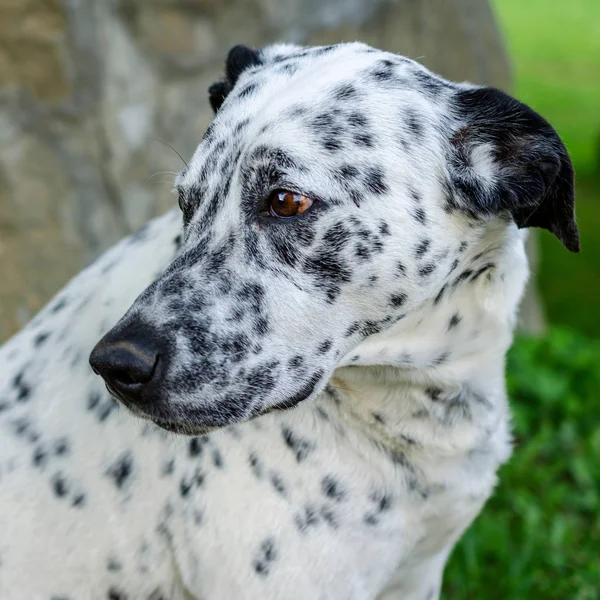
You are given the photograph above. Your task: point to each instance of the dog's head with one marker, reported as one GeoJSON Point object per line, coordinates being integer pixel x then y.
{"type": "Point", "coordinates": [332, 195]}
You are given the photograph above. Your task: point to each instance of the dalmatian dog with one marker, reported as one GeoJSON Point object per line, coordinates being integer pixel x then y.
{"type": "Point", "coordinates": [311, 360]}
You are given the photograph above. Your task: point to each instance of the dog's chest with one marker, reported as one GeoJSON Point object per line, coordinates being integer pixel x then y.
{"type": "Point", "coordinates": [257, 504]}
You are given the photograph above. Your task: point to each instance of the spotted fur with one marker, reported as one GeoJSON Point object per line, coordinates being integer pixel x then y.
{"type": "Point", "coordinates": [340, 375]}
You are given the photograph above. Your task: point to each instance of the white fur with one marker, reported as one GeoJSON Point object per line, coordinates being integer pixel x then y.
{"type": "Point", "coordinates": [206, 545]}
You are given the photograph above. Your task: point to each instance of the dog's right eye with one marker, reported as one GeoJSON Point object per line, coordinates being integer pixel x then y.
{"type": "Point", "coordinates": [284, 205]}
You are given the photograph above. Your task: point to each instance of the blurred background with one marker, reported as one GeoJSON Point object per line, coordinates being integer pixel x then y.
{"type": "Point", "coordinates": [93, 91]}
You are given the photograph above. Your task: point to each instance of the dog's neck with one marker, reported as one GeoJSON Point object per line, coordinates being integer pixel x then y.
{"type": "Point", "coordinates": [443, 364]}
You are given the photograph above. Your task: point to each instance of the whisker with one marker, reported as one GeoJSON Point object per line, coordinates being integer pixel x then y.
{"type": "Point", "coordinates": [169, 145]}
{"type": "Point", "coordinates": [162, 173]}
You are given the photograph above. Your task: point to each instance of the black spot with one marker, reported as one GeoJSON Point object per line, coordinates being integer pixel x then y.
{"type": "Point", "coordinates": [121, 469]}
{"type": "Point", "coordinates": [378, 417]}
{"type": "Point", "coordinates": [322, 413]}
{"type": "Point", "coordinates": [383, 72]}
{"type": "Point", "coordinates": [329, 517]}
{"type": "Point", "coordinates": [21, 426]}
{"type": "Point", "coordinates": [357, 120]}
{"type": "Point", "coordinates": [441, 358]}
{"type": "Point", "coordinates": [363, 139]}
{"type": "Point", "coordinates": [299, 446]}
{"type": "Point", "coordinates": [345, 91]}
{"type": "Point", "coordinates": [40, 338]}
{"type": "Point", "coordinates": [398, 300]}
{"type": "Point", "coordinates": [401, 268]}
{"type": "Point", "coordinates": [195, 447]}
{"type": "Point", "coordinates": [382, 502]}
{"type": "Point", "coordinates": [262, 379]}
{"type": "Point", "coordinates": [384, 228]}
{"type": "Point", "coordinates": [374, 181]}
{"type": "Point", "coordinates": [266, 555]}
{"type": "Point", "coordinates": [371, 519]}
{"type": "Point", "coordinates": [198, 517]}
{"type": "Point", "coordinates": [23, 389]}
{"type": "Point", "coordinates": [113, 565]}
{"type": "Point", "coordinates": [61, 447]}
{"type": "Point", "coordinates": [354, 328]}
{"type": "Point", "coordinates": [454, 321]}
{"type": "Point", "coordinates": [426, 269]}
{"type": "Point", "coordinates": [453, 266]}
{"type": "Point", "coordinates": [185, 486]}
{"type": "Point", "coordinates": [60, 304]}
{"type": "Point", "coordinates": [420, 216]}
{"type": "Point", "coordinates": [78, 500]}
{"type": "Point", "coordinates": [40, 457]}
{"type": "Point", "coordinates": [278, 484]}
{"type": "Point", "coordinates": [255, 465]}
{"type": "Point", "coordinates": [332, 144]}
{"type": "Point", "coordinates": [347, 172]}
{"type": "Point", "coordinates": [60, 485]}
{"type": "Point", "coordinates": [414, 124]}
{"type": "Point", "coordinates": [116, 594]}
{"type": "Point", "coordinates": [248, 89]}
{"type": "Point", "coordinates": [422, 248]}
{"type": "Point", "coordinates": [306, 519]}
{"type": "Point", "coordinates": [325, 346]}
{"type": "Point", "coordinates": [362, 252]}
{"type": "Point", "coordinates": [261, 326]}
{"type": "Point", "coordinates": [328, 270]}
{"type": "Point", "coordinates": [296, 362]}
{"type": "Point", "coordinates": [217, 459]}
{"type": "Point", "coordinates": [332, 489]}
{"type": "Point", "coordinates": [415, 195]}
{"type": "Point", "coordinates": [434, 393]}
{"type": "Point", "coordinates": [337, 236]}
{"type": "Point", "coordinates": [93, 400]}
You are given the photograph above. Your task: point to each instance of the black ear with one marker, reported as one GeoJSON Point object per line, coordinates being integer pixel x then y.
{"type": "Point", "coordinates": [506, 157]}
{"type": "Point", "coordinates": [238, 60]}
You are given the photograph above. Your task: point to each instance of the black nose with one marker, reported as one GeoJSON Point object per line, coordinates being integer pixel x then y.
{"type": "Point", "coordinates": [127, 358]}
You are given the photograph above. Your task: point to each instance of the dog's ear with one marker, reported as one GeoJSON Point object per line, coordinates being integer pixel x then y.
{"type": "Point", "coordinates": [238, 60]}
{"type": "Point", "coordinates": [506, 157]}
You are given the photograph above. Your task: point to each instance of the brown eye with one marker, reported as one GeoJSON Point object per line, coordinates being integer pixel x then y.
{"type": "Point", "coordinates": [284, 204]}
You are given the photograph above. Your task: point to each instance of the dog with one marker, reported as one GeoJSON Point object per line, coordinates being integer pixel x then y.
{"type": "Point", "coordinates": [325, 328]}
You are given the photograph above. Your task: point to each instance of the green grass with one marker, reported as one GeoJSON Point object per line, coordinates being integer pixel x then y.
{"type": "Point", "coordinates": [539, 535]}
{"type": "Point", "coordinates": [570, 283]}
{"type": "Point", "coordinates": [555, 49]}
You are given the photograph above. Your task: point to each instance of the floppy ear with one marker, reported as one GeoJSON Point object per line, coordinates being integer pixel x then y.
{"type": "Point", "coordinates": [238, 60]}
{"type": "Point", "coordinates": [506, 157]}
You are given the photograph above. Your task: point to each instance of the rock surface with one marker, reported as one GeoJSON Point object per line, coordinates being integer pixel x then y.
{"type": "Point", "coordinates": [88, 86]}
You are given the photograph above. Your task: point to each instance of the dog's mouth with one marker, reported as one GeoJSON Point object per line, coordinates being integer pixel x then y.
{"type": "Point", "coordinates": [190, 429]}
